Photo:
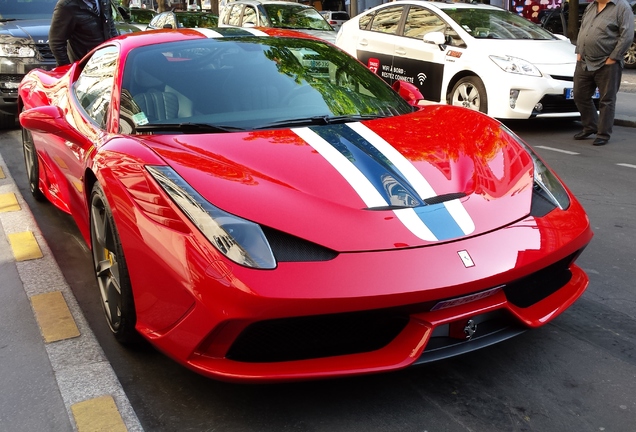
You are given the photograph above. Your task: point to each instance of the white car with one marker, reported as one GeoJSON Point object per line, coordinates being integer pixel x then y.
{"type": "Point", "coordinates": [276, 14]}
{"type": "Point", "coordinates": [477, 56]}
{"type": "Point", "coordinates": [335, 18]}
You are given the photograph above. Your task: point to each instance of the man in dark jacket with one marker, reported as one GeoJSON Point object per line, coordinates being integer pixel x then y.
{"type": "Point", "coordinates": [78, 26]}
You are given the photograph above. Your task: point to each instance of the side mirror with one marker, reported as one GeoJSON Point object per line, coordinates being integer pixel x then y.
{"type": "Point", "coordinates": [409, 92]}
{"type": "Point", "coordinates": [436, 38]}
{"type": "Point", "coordinates": [167, 26]}
{"type": "Point", "coordinates": [50, 120]}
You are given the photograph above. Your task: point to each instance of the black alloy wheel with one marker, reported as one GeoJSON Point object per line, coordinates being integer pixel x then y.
{"type": "Point", "coordinates": [111, 271]}
{"type": "Point", "coordinates": [32, 165]}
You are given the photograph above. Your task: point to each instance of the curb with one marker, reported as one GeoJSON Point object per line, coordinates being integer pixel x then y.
{"type": "Point", "coordinates": [81, 370]}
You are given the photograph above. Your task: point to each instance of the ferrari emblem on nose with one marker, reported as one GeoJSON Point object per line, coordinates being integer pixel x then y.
{"type": "Point", "coordinates": [466, 259]}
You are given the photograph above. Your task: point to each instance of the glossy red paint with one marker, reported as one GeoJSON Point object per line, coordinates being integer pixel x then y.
{"type": "Point", "coordinates": [193, 303]}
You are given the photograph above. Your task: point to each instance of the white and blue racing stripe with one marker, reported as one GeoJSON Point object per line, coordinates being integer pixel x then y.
{"type": "Point", "coordinates": [383, 177]}
{"type": "Point", "coordinates": [222, 32]}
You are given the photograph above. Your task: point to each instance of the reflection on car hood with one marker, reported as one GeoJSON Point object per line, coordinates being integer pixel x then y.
{"type": "Point", "coordinates": [327, 35]}
{"type": "Point", "coordinates": [36, 30]}
{"type": "Point", "coordinates": [437, 175]}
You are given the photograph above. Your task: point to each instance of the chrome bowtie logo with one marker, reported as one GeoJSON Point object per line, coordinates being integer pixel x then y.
{"type": "Point", "coordinates": [470, 329]}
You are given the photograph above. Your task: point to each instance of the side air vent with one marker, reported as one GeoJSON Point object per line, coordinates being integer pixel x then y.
{"type": "Point", "coordinates": [289, 248]}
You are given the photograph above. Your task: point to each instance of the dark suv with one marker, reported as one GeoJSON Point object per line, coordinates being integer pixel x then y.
{"type": "Point", "coordinates": [24, 45]}
{"type": "Point", "coordinates": [555, 21]}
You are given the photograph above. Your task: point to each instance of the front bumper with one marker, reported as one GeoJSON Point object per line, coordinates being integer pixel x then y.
{"type": "Point", "coordinates": [356, 314]}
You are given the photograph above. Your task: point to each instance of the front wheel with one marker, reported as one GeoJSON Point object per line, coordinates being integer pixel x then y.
{"type": "Point", "coordinates": [111, 270]}
{"type": "Point", "coordinates": [470, 92]}
{"type": "Point", "coordinates": [630, 56]}
{"type": "Point", "coordinates": [32, 165]}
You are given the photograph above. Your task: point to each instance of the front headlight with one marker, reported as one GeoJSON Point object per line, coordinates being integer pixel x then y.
{"type": "Point", "coordinates": [549, 184]}
{"type": "Point", "coordinates": [545, 182]}
{"type": "Point", "coordinates": [238, 239]}
{"type": "Point", "coordinates": [11, 50]}
{"type": "Point", "coordinates": [515, 65]}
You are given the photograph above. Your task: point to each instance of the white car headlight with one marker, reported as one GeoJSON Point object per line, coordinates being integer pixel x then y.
{"type": "Point", "coordinates": [238, 239]}
{"type": "Point", "coordinates": [515, 65]}
{"type": "Point", "coordinates": [11, 50]}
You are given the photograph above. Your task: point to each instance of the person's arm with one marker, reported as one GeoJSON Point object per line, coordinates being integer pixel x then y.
{"type": "Point", "coordinates": [62, 24]}
{"type": "Point", "coordinates": [112, 30]}
{"type": "Point", "coordinates": [626, 34]}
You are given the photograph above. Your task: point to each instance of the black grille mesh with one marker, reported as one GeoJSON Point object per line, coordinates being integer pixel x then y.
{"type": "Point", "coordinates": [527, 291]}
{"type": "Point", "coordinates": [288, 248]}
{"type": "Point", "coordinates": [45, 51]}
{"type": "Point", "coordinates": [317, 336]}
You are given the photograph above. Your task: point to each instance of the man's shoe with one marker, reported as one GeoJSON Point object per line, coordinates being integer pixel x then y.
{"type": "Point", "coordinates": [582, 135]}
{"type": "Point", "coordinates": [600, 141]}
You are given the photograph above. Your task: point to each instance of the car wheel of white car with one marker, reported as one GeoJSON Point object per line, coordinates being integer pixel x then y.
{"type": "Point", "coordinates": [111, 270]}
{"type": "Point", "coordinates": [469, 92]}
{"type": "Point", "coordinates": [32, 165]}
{"type": "Point", "coordinates": [630, 56]}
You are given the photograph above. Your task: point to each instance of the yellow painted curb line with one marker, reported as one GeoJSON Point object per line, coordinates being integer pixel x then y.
{"type": "Point", "coordinates": [53, 316]}
{"type": "Point", "coordinates": [25, 246]}
{"type": "Point", "coordinates": [98, 415]}
{"type": "Point", "coordinates": [8, 203]}
{"type": "Point", "coordinates": [2, 176]}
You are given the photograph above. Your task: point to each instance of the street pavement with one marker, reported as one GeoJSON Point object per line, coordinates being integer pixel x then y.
{"type": "Point", "coordinates": [63, 382]}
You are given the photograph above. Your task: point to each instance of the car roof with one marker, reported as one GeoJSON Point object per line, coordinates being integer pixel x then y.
{"type": "Point", "coordinates": [445, 5]}
{"type": "Point", "coordinates": [260, 2]}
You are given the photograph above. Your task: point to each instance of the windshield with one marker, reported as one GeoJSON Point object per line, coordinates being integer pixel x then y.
{"type": "Point", "coordinates": [295, 17]}
{"type": "Point", "coordinates": [197, 19]}
{"type": "Point", "coordinates": [250, 83]}
{"type": "Point", "coordinates": [495, 24]}
{"type": "Point", "coordinates": [26, 9]}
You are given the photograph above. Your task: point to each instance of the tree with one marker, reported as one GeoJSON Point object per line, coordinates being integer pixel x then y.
{"type": "Point", "coordinates": [573, 20]}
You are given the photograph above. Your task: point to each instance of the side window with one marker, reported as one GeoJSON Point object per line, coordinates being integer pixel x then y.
{"type": "Point", "coordinates": [420, 21]}
{"type": "Point", "coordinates": [364, 21]}
{"type": "Point", "coordinates": [234, 17]}
{"type": "Point", "coordinates": [249, 16]}
{"type": "Point", "coordinates": [94, 86]}
{"type": "Point", "coordinates": [387, 20]}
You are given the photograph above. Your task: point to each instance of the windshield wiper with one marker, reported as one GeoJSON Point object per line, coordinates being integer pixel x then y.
{"type": "Point", "coordinates": [186, 128]}
{"type": "Point", "coordinates": [320, 120]}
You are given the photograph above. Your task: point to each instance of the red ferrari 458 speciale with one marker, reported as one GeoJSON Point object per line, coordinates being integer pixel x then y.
{"type": "Point", "coordinates": [262, 207]}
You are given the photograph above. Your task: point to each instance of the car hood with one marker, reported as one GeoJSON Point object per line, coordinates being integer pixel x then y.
{"type": "Point", "coordinates": [326, 35]}
{"type": "Point", "coordinates": [34, 30]}
{"type": "Point", "coordinates": [345, 186]}
{"type": "Point", "coordinates": [538, 52]}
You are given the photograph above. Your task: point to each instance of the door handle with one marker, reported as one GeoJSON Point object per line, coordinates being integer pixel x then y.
{"type": "Point", "coordinates": [364, 42]}
{"type": "Point", "coordinates": [400, 51]}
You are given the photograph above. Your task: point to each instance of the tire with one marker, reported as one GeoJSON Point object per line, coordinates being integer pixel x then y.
{"type": "Point", "coordinates": [32, 165]}
{"type": "Point", "coordinates": [630, 56]}
{"type": "Point", "coordinates": [7, 121]}
{"type": "Point", "coordinates": [469, 92]}
{"type": "Point", "coordinates": [111, 271]}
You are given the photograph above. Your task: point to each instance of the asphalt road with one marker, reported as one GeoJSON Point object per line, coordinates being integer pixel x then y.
{"type": "Point", "coordinates": [577, 373]}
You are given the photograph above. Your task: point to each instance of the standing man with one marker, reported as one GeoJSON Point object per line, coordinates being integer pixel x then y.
{"type": "Point", "coordinates": [78, 26]}
{"type": "Point", "coordinates": [607, 31]}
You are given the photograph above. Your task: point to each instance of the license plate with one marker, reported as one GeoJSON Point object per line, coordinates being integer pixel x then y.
{"type": "Point", "coordinates": [569, 94]}
{"type": "Point", "coordinates": [466, 299]}
{"type": "Point", "coordinates": [316, 64]}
